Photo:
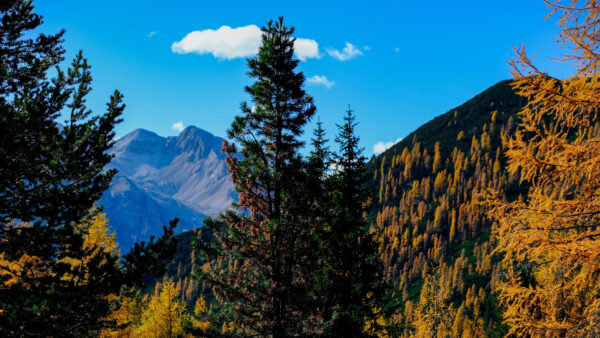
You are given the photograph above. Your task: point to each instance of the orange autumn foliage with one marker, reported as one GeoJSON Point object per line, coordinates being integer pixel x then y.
{"type": "Point", "coordinates": [550, 238]}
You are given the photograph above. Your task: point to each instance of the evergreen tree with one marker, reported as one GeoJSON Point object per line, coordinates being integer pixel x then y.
{"type": "Point", "coordinates": [317, 194]}
{"type": "Point", "coordinates": [259, 262]}
{"type": "Point", "coordinates": [356, 289]}
{"type": "Point", "coordinates": [320, 156]}
{"type": "Point", "coordinates": [51, 177]}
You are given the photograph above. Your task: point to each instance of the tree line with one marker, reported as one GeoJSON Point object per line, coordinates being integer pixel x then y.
{"type": "Point", "coordinates": [292, 257]}
{"type": "Point", "coordinates": [493, 233]}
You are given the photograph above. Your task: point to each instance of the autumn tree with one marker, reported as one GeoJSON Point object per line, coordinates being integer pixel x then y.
{"type": "Point", "coordinates": [128, 316]}
{"type": "Point", "coordinates": [434, 315]}
{"type": "Point", "coordinates": [550, 237]}
{"type": "Point", "coordinates": [257, 263]}
{"type": "Point", "coordinates": [52, 175]}
{"type": "Point", "coordinates": [96, 237]}
{"type": "Point", "coordinates": [201, 318]}
{"type": "Point", "coordinates": [164, 316]}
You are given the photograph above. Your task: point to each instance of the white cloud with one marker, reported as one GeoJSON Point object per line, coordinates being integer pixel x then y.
{"type": "Point", "coordinates": [367, 48]}
{"type": "Point", "coordinates": [334, 167]}
{"type": "Point", "coordinates": [380, 146]}
{"type": "Point", "coordinates": [396, 49]}
{"type": "Point", "coordinates": [349, 52]}
{"type": "Point", "coordinates": [223, 43]}
{"type": "Point", "coordinates": [152, 34]}
{"type": "Point", "coordinates": [177, 126]}
{"type": "Point", "coordinates": [230, 43]}
{"type": "Point", "coordinates": [320, 81]}
{"type": "Point", "coordinates": [306, 48]}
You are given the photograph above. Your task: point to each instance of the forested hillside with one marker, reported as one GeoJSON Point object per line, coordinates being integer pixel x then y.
{"type": "Point", "coordinates": [434, 233]}
{"type": "Point", "coordinates": [425, 206]}
{"type": "Point", "coordinates": [483, 222]}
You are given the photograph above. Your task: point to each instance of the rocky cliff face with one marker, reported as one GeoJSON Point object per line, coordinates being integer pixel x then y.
{"type": "Point", "coordinates": [161, 178]}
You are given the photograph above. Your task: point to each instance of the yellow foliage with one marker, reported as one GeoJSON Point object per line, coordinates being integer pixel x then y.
{"type": "Point", "coordinates": [200, 311]}
{"type": "Point", "coordinates": [434, 315]}
{"type": "Point", "coordinates": [164, 316]}
{"type": "Point", "coordinates": [11, 271]}
{"type": "Point", "coordinates": [378, 330]}
{"type": "Point", "coordinates": [96, 236]}
{"type": "Point", "coordinates": [127, 317]}
{"type": "Point", "coordinates": [227, 327]}
{"type": "Point", "coordinates": [96, 240]}
{"type": "Point", "coordinates": [550, 238]}
{"type": "Point", "coordinates": [437, 158]}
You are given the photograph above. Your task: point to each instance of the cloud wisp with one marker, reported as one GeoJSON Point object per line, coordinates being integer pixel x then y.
{"type": "Point", "coordinates": [153, 33]}
{"type": "Point", "coordinates": [348, 52]}
{"type": "Point", "coordinates": [228, 43]}
{"type": "Point", "coordinates": [381, 146]}
{"type": "Point", "coordinates": [319, 80]}
{"type": "Point", "coordinates": [178, 126]}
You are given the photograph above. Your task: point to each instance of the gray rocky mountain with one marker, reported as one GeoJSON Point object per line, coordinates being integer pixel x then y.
{"type": "Point", "coordinates": [161, 178]}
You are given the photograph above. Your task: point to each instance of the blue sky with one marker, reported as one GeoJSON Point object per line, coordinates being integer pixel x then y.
{"type": "Point", "coordinates": [405, 62]}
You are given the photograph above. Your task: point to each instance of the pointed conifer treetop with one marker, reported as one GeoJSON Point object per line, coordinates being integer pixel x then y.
{"type": "Point", "coordinates": [52, 175]}
{"type": "Point", "coordinates": [258, 261]}
{"type": "Point", "coordinates": [355, 287]}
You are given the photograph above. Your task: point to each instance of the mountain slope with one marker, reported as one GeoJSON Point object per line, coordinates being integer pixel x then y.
{"type": "Point", "coordinates": [160, 178]}
{"type": "Point", "coordinates": [430, 221]}
{"type": "Point", "coordinates": [427, 207]}
{"type": "Point", "coordinates": [468, 117]}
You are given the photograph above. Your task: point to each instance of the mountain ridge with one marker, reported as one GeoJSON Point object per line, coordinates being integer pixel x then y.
{"type": "Point", "coordinates": [476, 112]}
{"type": "Point", "coordinates": [160, 178]}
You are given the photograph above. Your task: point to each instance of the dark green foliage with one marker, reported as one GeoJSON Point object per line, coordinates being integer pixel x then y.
{"type": "Point", "coordinates": [51, 177]}
{"type": "Point", "coordinates": [471, 118]}
{"type": "Point", "coordinates": [259, 259]}
{"type": "Point", "coordinates": [356, 289]}
{"type": "Point", "coordinates": [181, 265]}
{"type": "Point", "coordinates": [320, 156]}
{"type": "Point", "coordinates": [147, 260]}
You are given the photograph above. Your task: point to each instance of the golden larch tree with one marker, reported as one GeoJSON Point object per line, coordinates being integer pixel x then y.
{"type": "Point", "coordinates": [200, 319]}
{"type": "Point", "coordinates": [434, 315]}
{"type": "Point", "coordinates": [550, 237]}
{"type": "Point", "coordinates": [165, 315]}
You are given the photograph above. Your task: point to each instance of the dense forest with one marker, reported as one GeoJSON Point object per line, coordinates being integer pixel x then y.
{"type": "Point", "coordinates": [481, 223]}
{"type": "Point", "coordinates": [431, 224]}
{"type": "Point", "coordinates": [436, 238]}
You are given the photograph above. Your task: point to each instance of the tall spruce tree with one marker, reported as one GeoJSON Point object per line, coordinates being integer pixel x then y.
{"type": "Point", "coordinates": [52, 175]}
{"type": "Point", "coordinates": [317, 194]}
{"type": "Point", "coordinates": [356, 290]}
{"type": "Point", "coordinates": [320, 157]}
{"type": "Point", "coordinates": [259, 262]}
